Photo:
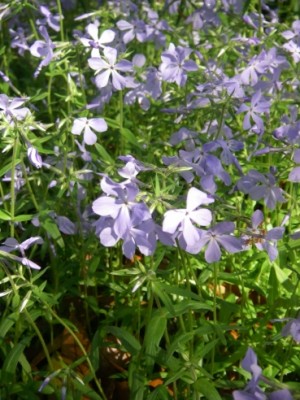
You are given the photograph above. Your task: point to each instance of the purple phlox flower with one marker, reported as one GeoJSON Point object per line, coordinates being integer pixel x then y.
{"type": "Point", "coordinates": [252, 19]}
{"type": "Point", "coordinates": [283, 394]}
{"type": "Point", "coordinates": [204, 16]}
{"type": "Point", "coordinates": [256, 67]}
{"type": "Point", "coordinates": [271, 85]}
{"type": "Point", "coordinates": [274, 62]}
{"type": "Point", "coordinates": [155, 28]}
{"type": "Point", "coordinates": [34, 157]}
{"type": "Point", "coordinates": [234, 87]}
{"type": "Point", "coordinates": [4, 11]}
{"type": "Point", "coordinates": [11, 244]}
{"type": "Point", "coordinates": [124, 7]}
{"type": "Point", "coordinates": [153, 83]}
{"type": "Point", "coordinates": [219, 235]}
{"type": "Point", "coordinates": [109, 67]}
{"type": "Point", "coordinates": [139, 236]}
{"type": "Point", "coordinates": [260, 186]}
{"type": "Point", "coordinates": [252, 391]}
{"type": "Point", "coordinates": [4, 77]}
{"type": "Point", "coordinates": [121, 206]}
{"type": "Point", "coordinates": [294, 175]}
{"type": "Point", "coordinates": [18, 178]}
{"type": "Point", "coordinates": [97, 104]}
{"type": "Point", "coordinates": [19, 40]}
{"type": "Point", "coordinates": [136, 235]}
{"type": "Point", "coordinates": [293, 47]}
{"type": "Point", "coordinates": [248, 41]}
{"type": "Point", "coordinates": [196, 19]}
{"type": "Point", "coordinates": [85, 155]}
{"type": "Point", "coordinates": [42, 49]}
{"type": "Point", "coordinates": [290, 130]}
{"type": "Point", "coordinates": [295, 32]}
{"type": "Point", "coordinates": [139, 94]}
{"type": "Point", "coordinates": [208, 167]}
{"type": "Point", "coordinates": [258, 105]}
{"type": "Point", "coordinates": [205, 165]}
{"type": "Point", "coordinates": [292, 328]}
{"type": "Point", "coordinates": [65, 225]}
{"type": "Point", "coordinates": [96, 42]}
{"type": "Point", "coordinates": [175, 65]}
{"type": "Point", "coordinates": [263, 239]}
{"type": "Point", "coordinates": [183, 220]}
{"type": "Point", "coordinates": [186, 165]}
{"type": "Point", "coordinates": [129, 172]}
{"type": "Point", "coordinates": [52, 20]}
{"type": "Point", "coordinates": [227, 146]}
{"type": "Point", "coordinates": [235, 6]}
{"type": "Point", "coordinates": [10, 108]}
{"type": "Point", "coordinates": [138, 164]}
{"type": "Point", "coordinates": [139, 60]}
{"type": "Point", "coordinates": [185, 135]}
{"type": "Point", "coordinates": [136, 29]}
{"type": "Point", "coordinates": [173, 5]}
{"type": "Point", "coordinates": [89, 126]}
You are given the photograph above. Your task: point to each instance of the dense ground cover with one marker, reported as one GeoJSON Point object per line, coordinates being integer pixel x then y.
{"type": "Point", "coordinates": [149, 183]}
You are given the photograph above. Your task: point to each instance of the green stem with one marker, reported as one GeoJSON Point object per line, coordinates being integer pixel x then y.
{"type": "Point", "coordinates": [215, 319]}
{"type": "Point", "coordinates": [121, 121]}
{"type": "Point", "coordinates": [42, 341]}
{"type": "Point", "coordinates": [61, 23]}
{"type": "Point", "coordinates": [34, 201]}
{"type": "Point", "coordinates": [12, 184]}
{"type": "Point", "coordinates": [62, 322]}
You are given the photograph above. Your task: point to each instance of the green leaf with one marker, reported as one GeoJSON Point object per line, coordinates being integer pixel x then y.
{"type": "Point", "coordinates": [159, 291]}
{"type": "Point", "coordinates": [131, 344]}
{"type": "Point", "coordinates": [154, 332]}
{"type": "Point", "coordinates": [8, 167]}
{"type": "Point", "coordinates": [5, 215]}
{"type": "Point", "coordinates": [50, 226]}
{"type": "Point", "coordinates": [24, 217]}
{"type": "Point", "coordinates": [130, 137]}
{"type": "Point", "coordinates": [8, 323]}
{"type": "Point", "coordinates": [104, 154]}
{"type": "Point", "coordinates": [14, 356]}
{"type": "Point", "coordinates": [205, 387]}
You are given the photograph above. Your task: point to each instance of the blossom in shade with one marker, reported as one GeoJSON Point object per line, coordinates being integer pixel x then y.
{"type": "Point", "coordinates": [292, 328]}
{"type": "Point", "coordinates": [131, 30]}
{"type": "Point", "coordinates": [262, 239]}
{"type": "Point", "coordinates": [295, 32]}
{"type": "Point", "coordinates": [11, 108]}
{"type": "Point", "coordinates": [175, 65]}
{"type": "Point", "coordinates": [261, 186]}
{"type": "Point", "coordinates": [252, 391]}
{"type": "Point", "coordinates": [293, 47]}
{"type": "Point", "coordinates": [109, 67]}
{"type": "Point", "coordinates": [34, 157]}
{"type": "Point", "coordinates": [183, 220]}
{"type": "Point", "coordinates": [256, 67]}
{"type": "Point", "coordinates": [294, 175]}
{"type": "Point", "coordinates": [88, 126]}
{"type": "Point", "coordinates": [121, 206]}
{"type": "Point", "coordinates": [43, 49]}
{"type": "Point", "coordinates": [52, 20]}
{"type": "Point", "coordinates": [216, 237]}
{"type": "Point", "coordinates": [19, 40]}
{"type": "Point", "coordinates": [96, 41]}
{"type": "Point", "coordinates": [11, 244]}
{"type": "Point", "coordinates": [258, 105]}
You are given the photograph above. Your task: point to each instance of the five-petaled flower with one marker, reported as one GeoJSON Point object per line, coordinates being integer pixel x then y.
{"type": "Point", "coordinates": [88, 126]}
